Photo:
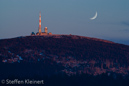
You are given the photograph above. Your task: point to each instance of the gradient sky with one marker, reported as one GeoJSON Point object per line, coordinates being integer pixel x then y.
{"type": "Point", "coordinates": [20, 18]}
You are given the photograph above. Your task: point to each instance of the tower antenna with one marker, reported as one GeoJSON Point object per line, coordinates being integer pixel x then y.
{"type": "Point", "coordinates": [40, 22]}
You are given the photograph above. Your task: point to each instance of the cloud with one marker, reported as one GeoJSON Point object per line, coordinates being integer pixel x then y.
{"type": "Point", "coordinates": [125, 23]}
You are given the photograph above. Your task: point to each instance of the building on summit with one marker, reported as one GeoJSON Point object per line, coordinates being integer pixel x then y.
{"type": "Point", "coordinates": [39, 29]}
{"type": "Point", "coordinates": [43, 33]}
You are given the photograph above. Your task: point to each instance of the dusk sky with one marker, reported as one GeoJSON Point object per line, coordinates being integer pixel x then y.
{"type": "Point", "coordinates": [20, 18]}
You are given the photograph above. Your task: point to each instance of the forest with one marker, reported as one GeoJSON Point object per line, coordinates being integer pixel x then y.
{"type": "Point", "coordinates": [65, 60]}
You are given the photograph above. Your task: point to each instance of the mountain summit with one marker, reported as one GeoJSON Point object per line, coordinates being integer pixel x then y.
{"type": "Point", "coordinates": [68, 54]}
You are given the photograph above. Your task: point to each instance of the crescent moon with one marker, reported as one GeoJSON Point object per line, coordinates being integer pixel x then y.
{"type": "Point", "coordinates": [94, 17]}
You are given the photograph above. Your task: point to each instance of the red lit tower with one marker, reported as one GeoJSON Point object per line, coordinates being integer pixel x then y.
{"type": "Point", "coordinates": [40, 23]}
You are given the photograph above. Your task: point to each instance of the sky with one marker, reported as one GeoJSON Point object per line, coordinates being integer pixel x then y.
{"type": "Point", "coordinates": [21, 17]}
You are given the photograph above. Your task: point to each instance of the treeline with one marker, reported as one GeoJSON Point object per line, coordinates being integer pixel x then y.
{"type": "Point", "coordinates": [81, 48]}
{"type": "Point", "coordinates": [51, 78]}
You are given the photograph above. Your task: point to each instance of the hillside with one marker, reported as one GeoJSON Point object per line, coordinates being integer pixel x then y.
{"type": "Point", "coordinates": [68, 54]}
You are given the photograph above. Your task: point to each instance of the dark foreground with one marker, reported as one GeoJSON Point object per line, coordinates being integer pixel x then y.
{"type": "Point", "coordinates": [33, 72]}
